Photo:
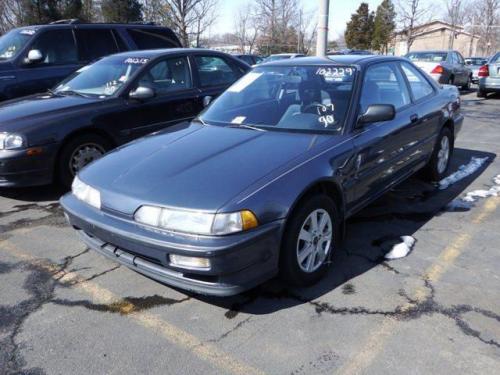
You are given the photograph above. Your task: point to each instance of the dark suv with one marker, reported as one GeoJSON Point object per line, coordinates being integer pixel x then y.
{"type": "Point", "coordinates": [35, 58]}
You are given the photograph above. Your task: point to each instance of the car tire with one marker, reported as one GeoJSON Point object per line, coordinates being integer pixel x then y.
{"type": "Point", "coordinates": [466, 87]}
{"type": "Point", "coordinates": [481, 93]}
{"type": "Point", "coordinates": [440, 160]}
{"type": "Point", "coordinates": [77, 153]}
{"type": "Point", "coordinates": [296, 267]}
{"type": "Point", "coordinates": [451, 80]}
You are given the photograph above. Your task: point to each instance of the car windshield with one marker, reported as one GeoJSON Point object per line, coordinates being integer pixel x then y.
{"type": "Point", "coordinates": [302, 98]}
{"type": "Point", "coordinates": [475, 61]}
{"type": "Point", "coordinates": [277, 58]}
{"type": "Point", "coordinates": [102, 78]}
{"type": "Point", "coordinates": [427, 56]}
{"type": "Point", "coordinates": [12, 42]}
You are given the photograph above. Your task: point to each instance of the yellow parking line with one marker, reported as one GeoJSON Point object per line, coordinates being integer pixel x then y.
{"type": "Point", "coordinates": [175, 335]}
{"type": "Point", "coordinates": [375, 342]}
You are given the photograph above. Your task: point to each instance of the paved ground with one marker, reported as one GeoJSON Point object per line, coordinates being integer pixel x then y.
{"type": "Point", "coordinates": [66, 310]}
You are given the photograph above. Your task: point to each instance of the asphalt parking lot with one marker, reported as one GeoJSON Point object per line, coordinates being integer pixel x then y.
{"type": "Point", "coordinates": [66, 310]}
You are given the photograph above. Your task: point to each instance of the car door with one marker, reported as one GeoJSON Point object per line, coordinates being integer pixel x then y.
{"type": "Point", "coordinates": [214, 73]}
{"type": "Point", "coordinates": [59, 59]}
{"type": "Point", "coordinates": [381, 158]}
{"type": "Point", "coordinates": [175, 99]}
{"type": "Point", "coordinates": [461, 68]}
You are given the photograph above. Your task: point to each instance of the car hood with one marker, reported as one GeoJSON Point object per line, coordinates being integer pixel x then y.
{"type": "Point", "coordinates": [17, 114]}
{"type": "Point", "coordinates": [197, 167]}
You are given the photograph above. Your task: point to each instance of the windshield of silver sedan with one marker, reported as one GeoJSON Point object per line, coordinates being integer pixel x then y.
{"type": "Point", "coordinates": [307, 98]}
{"type": "Point", "coordinates": [103, 78]}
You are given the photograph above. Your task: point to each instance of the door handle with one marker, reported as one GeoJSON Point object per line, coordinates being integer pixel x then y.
{"type": "Point", "coordinates": [414, 118]}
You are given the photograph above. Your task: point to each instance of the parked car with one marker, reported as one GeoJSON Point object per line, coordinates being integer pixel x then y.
{"type": "Point", "coordinates": [350, 52]}
{"type": "Point", "coordinates": [282, 56]}
{"type": "Point", "coordinates": [474, 63]}
{"type": "Point", "coordinates": [250, 59]}
{"type": "Point", "coordinates": [263, 180]}
{"type": "Point", "coordinates": [106, 104]}
{"type": "Point", "coordinates": [35, 58]}
{"type": "Point", "coordinates": [489, 77]}
{"type": "Point", "coordinates": [444, 66]}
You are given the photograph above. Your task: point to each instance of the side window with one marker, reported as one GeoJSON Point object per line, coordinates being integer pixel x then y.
{"type": "Point", "coordinates": [215, 71]}
{"type": "Point", "coordinates": [460, 59]}
{"type": "Point", "coordinates": [418, 84]}
{"type": "Point", "coordinates": [168, 76]}
{"type": "Point", "coordinates": [57, 47]}
{"type": "Point", "coordinates": [119, 40]}
{"type": "Point", "coordinates": [95, 43]}
{"type": "Point", "coordinates": [384, 84]}
{"type": "Point", "coordinates": [151, 38]}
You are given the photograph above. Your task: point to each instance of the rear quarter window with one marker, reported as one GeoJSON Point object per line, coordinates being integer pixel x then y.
{"type": "Point", "coordinates": [95, 43]}
{"type": "Point", "coordinates": [152, 38]}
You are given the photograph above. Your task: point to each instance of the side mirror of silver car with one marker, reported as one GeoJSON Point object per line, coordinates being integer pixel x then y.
{"type": "Point", "coordinates": [141, 93]}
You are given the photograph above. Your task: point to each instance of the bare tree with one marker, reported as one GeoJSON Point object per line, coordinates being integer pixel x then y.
{"type": "Point", "coordinates": [411, 14]}
{"type": "Point", "coordinates": [205, 17]}
{"type": "Point", "coordinates": [490, 11]}
{"type": "Point", "coordinates": [455, 15]}
{"type": "Point", "coordinates": [245, 28]}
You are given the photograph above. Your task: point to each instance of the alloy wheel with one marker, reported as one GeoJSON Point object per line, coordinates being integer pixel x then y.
{"type": "Point", "coordinates": [84, 155]}
{"type": "Point", "coordinates": [315, 239]}
{"type": "Point", "coordinates": [443, 154]}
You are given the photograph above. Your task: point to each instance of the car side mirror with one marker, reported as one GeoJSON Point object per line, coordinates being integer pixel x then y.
{"type": "Point", "coordinates": [142, 93]}
{"type": "Point", "coordinates": [377, 113]}
{"type": "Point", "coordinates": [207, 100]}
{"type": "Point", "coordinates": [34, 56]}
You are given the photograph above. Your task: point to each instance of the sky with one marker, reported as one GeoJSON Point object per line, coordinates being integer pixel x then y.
{"type": "Point", "coordinates": [340, 14]}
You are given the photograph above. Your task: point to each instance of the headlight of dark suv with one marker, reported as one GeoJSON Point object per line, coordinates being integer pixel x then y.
{"type": "Point", "coordinates": [10, 141]}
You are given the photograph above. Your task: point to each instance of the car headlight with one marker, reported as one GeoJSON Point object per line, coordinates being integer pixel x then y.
{"type": "Point", "coordinates": [196, 222]}
{"type": "Point", "coordinates": [86, 193]}
{"type": "Point", "coordinates": [11, 141]}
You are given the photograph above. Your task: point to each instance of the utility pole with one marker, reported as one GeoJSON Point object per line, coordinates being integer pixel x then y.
{"type": "Point", "coordinates": [322, 41]}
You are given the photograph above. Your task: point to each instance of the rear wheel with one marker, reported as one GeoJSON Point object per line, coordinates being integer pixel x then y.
{"type": "Point", "coordinates": [440, 160]}
{"type": "Point", "coordinates": [481, 93]}
{"type": "Point", "coordinates": [311, 235]}
{"type": "Point", "coordinates": [77, 153]}
{"type": "Point", "coordinates": [467, 85]}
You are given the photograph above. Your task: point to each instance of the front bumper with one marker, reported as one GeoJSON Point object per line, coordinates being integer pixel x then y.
{"type": "Point", "coordinates": [489, 84]}
{"type": "Point", "coordinates": [237, 262]}
{"type": "Point", "coordinates": [17, 168]}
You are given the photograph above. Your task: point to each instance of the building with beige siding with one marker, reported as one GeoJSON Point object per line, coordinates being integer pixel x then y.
{"type": "Point", "coordinates": [436, 35]}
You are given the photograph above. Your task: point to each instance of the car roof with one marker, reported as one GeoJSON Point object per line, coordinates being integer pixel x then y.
{"type": "Point", "coordinates": [152, 53]}
{"type": "Point", "coordinates": [332, 60]}
{"type": "Point", "coordinates": [434, 51]}
{"type": "Point", "coordinates": [92, 25]}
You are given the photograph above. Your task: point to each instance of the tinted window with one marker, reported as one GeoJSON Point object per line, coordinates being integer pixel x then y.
{"type": "Point", "coordinates": [57, 47]}
{"type": "Point", "coordinates": [119, 40]}
{"type": "Point", "coordinates": [95, 43]}
{"type": "Point", "coordinates": [384, 84]}
{"type": "Point", "coordinates": [418, 84]}
{"type": "Point", "coordinates": [309, 98]}
{"type": "Point", "coordinates": [214, 71]}
{"type": "Point", "coordinates": [168, 75]}
{"type": "Point", "coordinates": [247, 59]}
{"type": "Point", "coordinates": [427, 56]}
{"type": "Point", "coordinates": [151, 38]}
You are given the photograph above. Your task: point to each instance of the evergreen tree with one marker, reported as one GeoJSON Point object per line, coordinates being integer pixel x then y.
{"type": "Point", "coordinates": [359, 31]}
{"type": "Point", "coordinates": [71, 9]}
{"type": "Point", "coordinates": [36, 12]}
{"type": "Point", "coordinates": [384, 26]}
{"type": "Point", "coordinates": [121, 11]}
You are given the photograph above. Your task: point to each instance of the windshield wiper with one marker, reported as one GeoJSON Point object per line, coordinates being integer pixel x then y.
{"type": "Point", "coordinates": [72, 92]}
{"type": "Point", "coordinates": [246, 126]}
{"type": "Point", "coordinates": [52, 92]}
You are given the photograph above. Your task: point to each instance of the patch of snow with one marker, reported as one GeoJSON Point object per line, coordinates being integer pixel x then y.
{"type": "Point", "coordinates": [401, 249]}
{"type": "Point", "coordinates": [493, 191]}
{"type": "Point", "coordinates": [458, 204]}
{"type": "Point", "coordinates": [463, 171]}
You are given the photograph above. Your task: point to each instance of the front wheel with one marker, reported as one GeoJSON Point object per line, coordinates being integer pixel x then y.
{"type": "Point", "coordinates": [77, 153]}
{"type": "Point", "coordinates": [440, 160]}
{"type": "Point", "coordinates": [311, 235]}
{"type": "Point", "coordinates": [467, 85]}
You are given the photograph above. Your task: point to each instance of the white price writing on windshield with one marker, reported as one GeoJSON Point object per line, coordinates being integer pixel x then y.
{"type": "Point", "coordinates": [335, 72]}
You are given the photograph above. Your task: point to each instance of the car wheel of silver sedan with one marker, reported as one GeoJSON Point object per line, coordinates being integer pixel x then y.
{"type": "Point", "coordinates": [312, 233]}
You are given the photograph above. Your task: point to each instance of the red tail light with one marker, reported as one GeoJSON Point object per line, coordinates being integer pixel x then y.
{"type": "Point", "coordinates": [484, 71]}
{"type": "Point", "coordinates": [437, 70]}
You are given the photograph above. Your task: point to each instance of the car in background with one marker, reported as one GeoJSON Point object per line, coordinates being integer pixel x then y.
{"type": "Point", "coordinates": [282, 56]}
{"type": "Point", "coordinates": [35, 58]}
{"type": "Point", "coordinates": [474, 63]}
{"type": "Point", "coordinates": [350, 52]}
{"type": "Point", "coordinates": [250, 59]}
{"type": "Point", "coordinates": [489, 77]}
{"type": "Point", "coordinates": [51, 136]}
{"type": "Point", "coordinates": [264, 179]}
{"type": "Point", "coordinates": [444, 66]}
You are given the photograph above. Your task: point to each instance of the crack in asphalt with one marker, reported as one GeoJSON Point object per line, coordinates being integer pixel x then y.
{"type": "Point", "coordinates": [55, 217]}
{"type": "Point", "coordinates": [229, 332]}
{"type": "Point", "coordinates": [40, 284]}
